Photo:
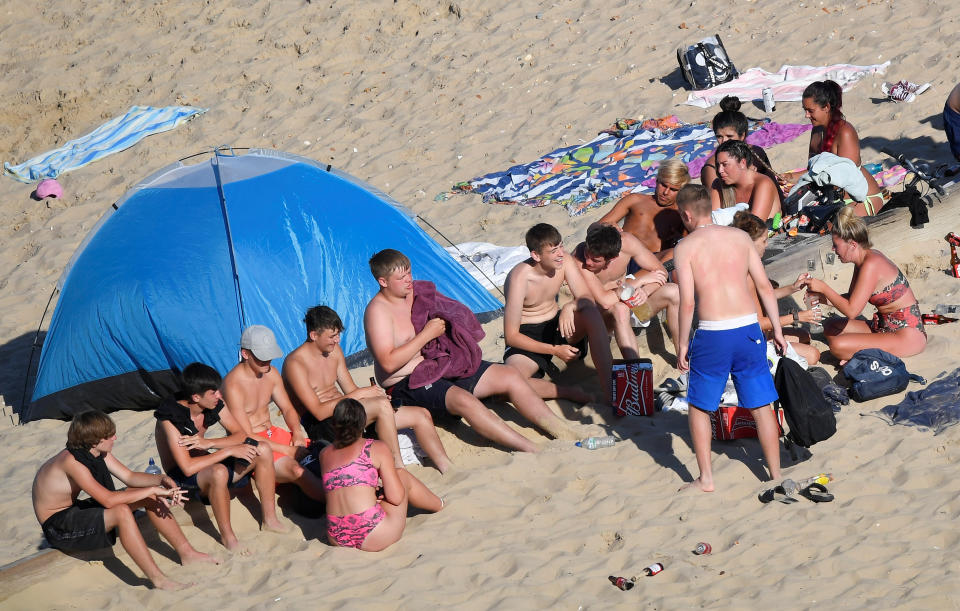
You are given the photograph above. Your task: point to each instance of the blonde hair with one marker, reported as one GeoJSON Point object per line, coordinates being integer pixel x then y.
{"type": "Point", "coordinates": [850, 227]}
{"type": "Point", "coordinates": [675, 172]}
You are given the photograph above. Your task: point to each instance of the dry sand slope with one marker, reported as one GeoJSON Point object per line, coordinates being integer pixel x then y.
{"type": "Point", "coordinates": [414, 97]}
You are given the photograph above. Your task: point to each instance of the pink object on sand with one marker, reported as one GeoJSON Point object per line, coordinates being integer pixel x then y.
{"type": "Point", "coordinates": [49, 187]}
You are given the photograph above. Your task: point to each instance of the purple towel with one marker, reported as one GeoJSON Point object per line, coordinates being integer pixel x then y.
{"type": "Point", "coordinates": [456, 353]}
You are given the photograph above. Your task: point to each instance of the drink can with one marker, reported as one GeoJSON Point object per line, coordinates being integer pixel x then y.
{"type": "Point", "coordinates": [653, 569]}
{"type": "Point", "coordinates": [769, 105]}
{"type": "Point", "coordinates": [702, 549]}
{"type": "Point", "coordinates": [622, 582]}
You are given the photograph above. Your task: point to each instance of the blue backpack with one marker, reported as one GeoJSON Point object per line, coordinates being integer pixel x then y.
{"type": "Point", "coordinates": [876, 373]}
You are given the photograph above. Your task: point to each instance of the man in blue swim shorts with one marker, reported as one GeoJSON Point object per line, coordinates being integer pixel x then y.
{"type": "Point", "coordinates": [951, 121]}
{"type": "Point", "coordinates": [712, 265]}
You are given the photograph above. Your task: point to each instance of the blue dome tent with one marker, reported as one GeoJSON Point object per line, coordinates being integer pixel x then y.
{"type": "Point", "coordinates": [195, 253]}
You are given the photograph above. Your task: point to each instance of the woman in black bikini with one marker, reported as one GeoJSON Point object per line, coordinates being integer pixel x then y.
{"type": "Point", "coordinates": [896, 327]}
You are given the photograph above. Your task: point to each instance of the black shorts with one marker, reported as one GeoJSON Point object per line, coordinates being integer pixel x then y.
{"type": "Point", "coordinates": [547, 332]}
{"type": "Point", "coordinates": [79, 528]}
{"type": "Point", "coordinates": [433, 396]}
{"type": "Point", "coordinates": [190, 482]}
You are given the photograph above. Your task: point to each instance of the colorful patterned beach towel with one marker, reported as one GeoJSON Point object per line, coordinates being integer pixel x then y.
{"type": "Point", "coordinates": [113, 136]}
{"type": "Point", "coordinates": [621, 159]}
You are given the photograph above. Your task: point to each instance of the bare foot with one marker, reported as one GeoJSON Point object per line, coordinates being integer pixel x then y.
{"type": "Point", "coordinates": [275, 526]}
{"type": "Point", "coordinates": [192, 556]}
{"type": "Point", "coordinates": [575, 394]}
{"type": "Point", "coordinates": [697, 484]}
{"type": "Point", "coordinates": [165, 583]}
{"type": "Point", "coordinates": [442, 466]}
{"type": "Point", "coordinates": [235, 547]}
{"type": "Point", "coordinates": [558, 430]}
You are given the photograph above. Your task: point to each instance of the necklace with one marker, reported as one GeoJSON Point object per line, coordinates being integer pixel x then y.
{"type": "Point", "coordinates": [706, 225]}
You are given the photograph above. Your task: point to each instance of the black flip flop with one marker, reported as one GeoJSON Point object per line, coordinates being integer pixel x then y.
{"type": "Point", "coordinates": [816, 493]}
{"type": "Point", "coordinates": [777, 493]}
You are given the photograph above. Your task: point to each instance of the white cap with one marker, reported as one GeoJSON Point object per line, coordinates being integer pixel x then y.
{"type": "Point", "coordinates": [260, 340]}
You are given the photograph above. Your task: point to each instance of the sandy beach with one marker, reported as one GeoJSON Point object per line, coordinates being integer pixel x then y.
{"type": "Point", "coordinates": [412, 98]}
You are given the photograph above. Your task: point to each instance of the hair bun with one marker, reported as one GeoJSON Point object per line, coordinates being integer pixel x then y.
{"type": "Point", "coordinates": [730, 103]}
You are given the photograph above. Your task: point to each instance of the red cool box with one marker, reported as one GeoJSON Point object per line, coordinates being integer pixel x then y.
{"type": "Point", "coordinates": [734, 422]}
{"type": "Point", "coordinates": [631, 387]}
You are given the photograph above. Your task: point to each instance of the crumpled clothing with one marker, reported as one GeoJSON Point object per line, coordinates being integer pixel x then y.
{"type": "Point", "coordinates": [456, 353]}
{"type": "Point", "coordinates": [936, 407]}
{"type": "Point", "coordinates": [829, 169]}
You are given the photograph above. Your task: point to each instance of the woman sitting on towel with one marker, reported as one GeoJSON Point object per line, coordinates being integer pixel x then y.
{"type": "Point", "coordinates": [799, 339]}
{"type": "Point", "coordinates": [731, 124]}
{"type": "Point", "coordinates": [896, 327]}
{"type": "Point", "coordinates": [351, 468]}
{"type": "Point", "coordinates": [740, 182]}
{"type": "Point", "coordinates": [822, 101]}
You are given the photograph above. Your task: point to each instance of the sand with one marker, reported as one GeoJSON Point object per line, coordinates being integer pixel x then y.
{"type": "Point", "coordinates": [414, 97]}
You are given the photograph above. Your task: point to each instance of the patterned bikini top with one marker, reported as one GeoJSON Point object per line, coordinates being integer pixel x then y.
{"type": "Point", "coordinates": [890, 293]}
{"type": "Point", "coordinates": [358, 472]}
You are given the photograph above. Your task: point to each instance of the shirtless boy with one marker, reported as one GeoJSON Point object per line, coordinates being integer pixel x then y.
{"type": "Point", "coordinates": [712, 266]}
{"type": "Point", "coordinates": [654, 219]}
{"type": "Point", "coordinates": [313, 372]}
{"type": "Point", "coordinates": [182, 424]}
{"type": "Point", "coordinates": [396, 347]}
{"type": "Point", "coordinates": [604, 258]}
{"type": "Point", "coordinates": [536, 329]}
{"type": "Point", "coordinates": [86, 465]}
{"type": "Point", "coordinates": [248, 390]}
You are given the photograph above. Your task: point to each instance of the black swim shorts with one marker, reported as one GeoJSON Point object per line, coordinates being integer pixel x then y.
{"type": "Point", "coordinates": [547, 332]}
{"type": "Point", "coordinates": [433, 396]}
{"type": "Point", "coordinates": [79, 528]}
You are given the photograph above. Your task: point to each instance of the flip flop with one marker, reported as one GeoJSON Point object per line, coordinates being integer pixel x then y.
{"type": "Point", "coordinates": [816, 493]}
{"type": "Point", "coordinates": [777, 493]}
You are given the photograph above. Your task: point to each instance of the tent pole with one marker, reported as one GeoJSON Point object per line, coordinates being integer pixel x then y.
{"type": "Point", "coordinates": [26, 378]}
{"type": "Point", "coordinates": [226, 223]}
{"type": "Point", "coordinates": [492, 283]}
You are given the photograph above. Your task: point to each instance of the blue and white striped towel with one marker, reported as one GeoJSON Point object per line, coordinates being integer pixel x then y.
{"type": "Point", "coordinates": [113, 136]}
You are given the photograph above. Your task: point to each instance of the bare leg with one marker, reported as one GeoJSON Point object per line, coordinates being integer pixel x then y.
{"type": "Point", "coordinates": [668, 297]}
{"type": "Point", "coordinates": [380, 411]}
{"type": "Point", "coordinates": [588, 317]}
{"type": "Point", "coordinates": [121, 518]}
{"type": "Point", "coordinates": [543, 387]}
{"type": "Point", "coordinates": [421, 422]}
{"type": "Point", "coordinates": [501, 379]}
{"type": "Point", "coordinates": [166, 525]}
{"type": "Point", "coordinates": [484, 422]}
{"type": "Point", "coordinates": [418, 495]}
{"type": "Point", "coordinates": [289, 471]}
{"type": "Point", "coordinates": [618, 318]}
{"type": "Point", "coordinates": [265, 477]}
{"type": "Point", "coordinates": [701, 435]}
{"type": "Point", "coordinates": [769, 434]}
{"type": "Point", "coordinates": [213, 485]}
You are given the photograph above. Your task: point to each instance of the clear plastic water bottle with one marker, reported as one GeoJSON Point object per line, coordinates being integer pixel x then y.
{"type": "Point", "coordinates": [593, 443]}
{"type": "Point", "coordinates": [152, 468]}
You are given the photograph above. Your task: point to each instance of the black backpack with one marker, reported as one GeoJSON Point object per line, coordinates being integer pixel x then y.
{"type": "Point", "coordinates": [706, 64]}
{"type": "Point", "coordinates": [809, 416]}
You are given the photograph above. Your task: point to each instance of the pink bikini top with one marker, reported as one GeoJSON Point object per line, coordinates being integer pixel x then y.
{"type": "Point", "coordinates": [358, 472]}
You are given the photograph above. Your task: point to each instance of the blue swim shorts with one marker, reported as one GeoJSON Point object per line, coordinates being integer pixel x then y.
{"type": "Point", "coordinates": [730, 348]}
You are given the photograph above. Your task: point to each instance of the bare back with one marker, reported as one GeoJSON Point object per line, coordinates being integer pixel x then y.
{"type": "Point", "coordinates": [53, 489]}
{"type": "Point", "coordinates": [718, 261]}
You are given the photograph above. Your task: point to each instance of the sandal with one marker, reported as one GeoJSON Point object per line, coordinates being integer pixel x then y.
{"type": "Point", "coordinates": [816, 493]}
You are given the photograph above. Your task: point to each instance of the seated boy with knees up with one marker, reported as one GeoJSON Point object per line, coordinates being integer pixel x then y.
{"type": "Point", "coordinates": [185, 452]}
{"type": "Point", "coordinates": [87, 465]}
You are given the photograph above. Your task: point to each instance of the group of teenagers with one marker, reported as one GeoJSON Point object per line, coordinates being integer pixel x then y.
{"type": "Point", "coordinates": [427, 361]}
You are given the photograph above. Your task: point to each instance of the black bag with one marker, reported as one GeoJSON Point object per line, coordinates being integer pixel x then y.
{"type": "Point", "coordinates": [809, 416]}
{"type": "Point", "coordinates": [706, 64]}
{"type": "Point", "coordinates": [876, 373]}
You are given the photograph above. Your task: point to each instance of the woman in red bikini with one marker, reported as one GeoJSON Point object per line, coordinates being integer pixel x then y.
{"type": "Point", "coordinates": [351, 468]}
{"type": "Point", "coordinates": [896, 327]}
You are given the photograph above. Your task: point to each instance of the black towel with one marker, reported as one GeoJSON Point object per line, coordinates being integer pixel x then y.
{"type": "Point", "coordinates": [97, 466]}
{"type": "Point", "coordinates": [179, 416]}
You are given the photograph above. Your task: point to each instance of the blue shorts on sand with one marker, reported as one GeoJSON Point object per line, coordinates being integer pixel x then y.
{"type": "Point", "coordinates": [740, 353]}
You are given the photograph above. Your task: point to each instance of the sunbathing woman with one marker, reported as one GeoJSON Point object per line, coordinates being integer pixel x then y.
{"type": "Point", "coordinates": [739, 181]}
{"type": "Point", "coordinates": [832, 133]}
{"type": "Point", "coordinates": [350, 470]}
{"type": "Point", "coordinates": [798, 338]}
{"type": "Point", "coordinates": [731, 124]}
{"type": "Point", "coordinates": [896, 327]}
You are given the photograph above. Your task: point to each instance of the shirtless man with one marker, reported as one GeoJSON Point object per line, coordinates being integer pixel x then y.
{"type": "Point", "coordinates": [604, 259]}
{"type": "Point", "coordinates": [182, 423]}
{"type": "Point", "coordinates": [735, 166]}
{"type": "Point", "coordinates": [313, 372]}
{"type": "Point", "coordinates": [86, 465]}
{"type": "Point", "coordinates": [654, 220]}
{"type": "Point", "coordinates": [396, 349]}
{"type": "Point", "coordinates": [712, 266]}
{"type": "Point", "coordinates": [248, 390]}
{"type": "Point", "coordinates": [536, 329]}
{"type": "Point", "coordinates": [951, 121]}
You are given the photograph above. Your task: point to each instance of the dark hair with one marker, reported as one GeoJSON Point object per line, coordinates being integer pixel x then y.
{"type": "Point", "coordinates": [825, 93]}
{"type": "Point", "coordinates": [88, 429]}
{"type": "Point", "coordinates": [751, 223]}
{"type": "Point", "coordinates": [320, 318]}
{"type": "Point", "coordinates": [387, 261]}
{"type": "Point", "coordinates": [603, 240]}
{"type": "Point", "coordinates": [196, 379]}
{"type": "Point", "coordinates": [695, 198]}
{"type": "Point", "coordinates": [739, 149]}
{"type": "Point", "coordinates": [540, 235]}
{"type": "Point", "coordinates": [730, 116]}
{"type": "Point", "coordinates": [349, 419]}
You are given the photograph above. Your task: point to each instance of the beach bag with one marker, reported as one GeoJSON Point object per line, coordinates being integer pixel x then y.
{"type": "Point", "coordinates": [631, 387]}
{"type": "Point", "coordinates": [808, 415]}
{"type": "Point", "coordinates": [735, 422]}
{"type": "Point", "coordinates": [706, 64]}
{"type": "Point", "coordinates": [876, 373]}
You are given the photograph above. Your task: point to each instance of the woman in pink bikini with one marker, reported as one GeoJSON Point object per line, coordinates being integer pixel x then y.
{"type": "Point", "coordinates": [351, 468]}
{"type": "Point", "coordinates": [896, 327]}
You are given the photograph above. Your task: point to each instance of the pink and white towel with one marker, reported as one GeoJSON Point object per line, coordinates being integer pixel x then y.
{"type": "Point", "coordinates": [788, 83]}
